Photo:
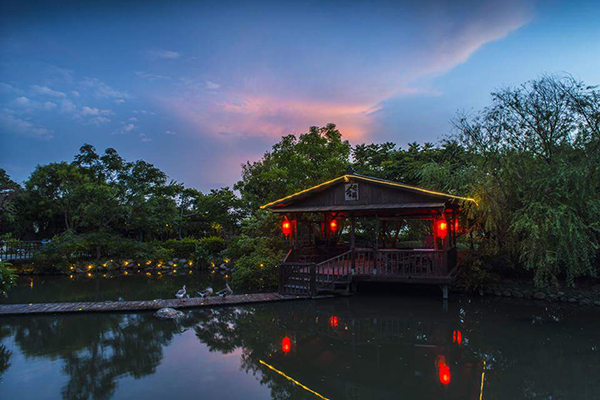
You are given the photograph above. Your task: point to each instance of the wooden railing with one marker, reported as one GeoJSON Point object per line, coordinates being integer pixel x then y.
{"type": "Point", "coordinates": [12, 250]}
{"type": "Point", "coordinates": [334, 268]}
{"type": "Point", "coordinates": [400, 262]}
{"type": "Point", "coordinates": [297, 278]}
{"type": "Point", "coordinates": [309, 278]}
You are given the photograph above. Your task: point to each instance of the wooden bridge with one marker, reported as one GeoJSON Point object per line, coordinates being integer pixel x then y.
{"type": "Point", "coordinates": [150, 305]}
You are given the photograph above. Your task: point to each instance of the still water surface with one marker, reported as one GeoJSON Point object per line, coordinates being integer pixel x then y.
{"type": "Point", "coordinates": [363, 347]}
{"type": "Point", "coordinates": [134, 286]}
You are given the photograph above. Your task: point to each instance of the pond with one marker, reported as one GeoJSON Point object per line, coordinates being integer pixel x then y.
{"type": "Point", "coordinates": [110, 286]}
{"type": "Point", "coordinates": [362, 347]}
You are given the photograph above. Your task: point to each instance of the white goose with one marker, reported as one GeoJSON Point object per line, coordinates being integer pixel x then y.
{"type": "Point", "coordinates": [225, 292]}
{"type": "Point", "coordinates": [181, 293]}
{"type": "Point", "coordinates": [206, 292]}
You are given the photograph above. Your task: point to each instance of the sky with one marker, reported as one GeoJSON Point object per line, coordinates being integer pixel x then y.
{"type": "Point", "coordinates": [199, 88]}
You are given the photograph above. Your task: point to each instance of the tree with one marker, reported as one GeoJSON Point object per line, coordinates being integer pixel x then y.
{"type": "Point", "coordinates": [293, 164]}
{"type": "Point", "coordinates": [9, 190]}
{"type": "Point", "coordinates": [538, 176]}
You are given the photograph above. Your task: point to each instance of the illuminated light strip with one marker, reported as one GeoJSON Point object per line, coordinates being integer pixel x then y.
{"type": "Point", "coordinates": [482, 380]}
{"type": "Point", "coordinates": [347, 177]}
{"type": "Point", "coordinates": [386, 182]}
{"type": "Point", "coordinates": [289, 378]}
{"type": "Point", "coordinates": [303, 191]}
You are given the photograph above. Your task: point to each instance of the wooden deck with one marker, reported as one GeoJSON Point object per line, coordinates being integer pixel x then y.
{"type": "Point", "coordinates": [150, 305]}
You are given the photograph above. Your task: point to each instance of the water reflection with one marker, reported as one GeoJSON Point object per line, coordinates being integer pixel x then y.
{"type": "Point", "coordinates": [354, 348]}
{"type": "Point", "coordinates": [136, 285]}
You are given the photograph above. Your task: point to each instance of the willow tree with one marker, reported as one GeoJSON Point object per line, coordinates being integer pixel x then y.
{"type": "Point", "coordinates": [537, 158]}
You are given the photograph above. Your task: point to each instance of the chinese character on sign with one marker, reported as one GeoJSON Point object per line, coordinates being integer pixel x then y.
{"type": "Point", "coordinates": [351, 192]}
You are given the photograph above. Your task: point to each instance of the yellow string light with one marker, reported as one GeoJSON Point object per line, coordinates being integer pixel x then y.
{"type": "Point", "coordinates": [347, 177]}
{"type": "Point", "coordinates": [289, 378]}
{"type": "Point", "coordinates": [482, 380]}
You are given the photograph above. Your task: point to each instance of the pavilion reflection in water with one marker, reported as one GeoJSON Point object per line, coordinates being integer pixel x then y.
{"type": "Point", "coordinates": [349, 354]}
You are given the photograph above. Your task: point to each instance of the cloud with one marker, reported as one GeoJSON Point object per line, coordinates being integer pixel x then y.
{"type": "Point", "coordinates": [22, 101]}
{"type": "Point", "coordinates": [67, 106]}
{"type": "Point", "coordinates": [12, 123]}
{"type": "Point", "coordinates": [46, 91]}
{"type": "Point", "coordinates": [99, 120]}
{"type": "Point", "coordinates": [212, 86]}
{"type": "Point", "coordinates": [145, 138]}
{"type": "Point", "coordinates": [163, 54]}
{"type": "Point", "coordinates": [276, 95]}
{"type": "Point", "coordinates": [171, 132]}
{"type": "Point", "coordinates": [151, 77]}
{"type": "Point", "coordinates": [75, 93]}
{"type": "Point", "coordinates": [125, 128]}
{"type": "Point", "coordinates": [119, 101]}
{"type": "Point", "coordinates": [102, 90]}
{"type": "Point", "coordinates": [27, 105]}
{"type": "Point", "coordinates": [86, 111]}
{"type": "Point", "coordinates": [133, 119]}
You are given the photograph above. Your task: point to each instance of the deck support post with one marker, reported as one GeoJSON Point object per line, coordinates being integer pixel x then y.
{"type": "Point", "coordinates": [353, 241]}
{"type": "Point", "coordinates": [444, 291]}
{"type": "Point", "coordinates": [313, 280]}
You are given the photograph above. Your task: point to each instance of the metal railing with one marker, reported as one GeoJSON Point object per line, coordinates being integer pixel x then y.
{"type": "Point", "coordinates": [12, 250]}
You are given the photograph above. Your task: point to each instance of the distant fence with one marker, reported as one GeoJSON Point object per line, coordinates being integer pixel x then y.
{"type": "Point", "coordinates": [12, 250]}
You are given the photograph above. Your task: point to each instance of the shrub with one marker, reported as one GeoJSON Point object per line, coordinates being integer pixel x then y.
{"type": "Point", "coordinates": [184, 248]}
{"type": "Point", "coordinates": [68, 248]}
{"type": "Point", "coordinates": [8, 277]}
{"type": "Point", "coordinates": [254, 262]}
{"type": "Point", "coordinates": [214, 245]}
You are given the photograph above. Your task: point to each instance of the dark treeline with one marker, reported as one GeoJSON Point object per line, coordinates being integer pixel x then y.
{"type": "Point", "coordinates": [531, 160]}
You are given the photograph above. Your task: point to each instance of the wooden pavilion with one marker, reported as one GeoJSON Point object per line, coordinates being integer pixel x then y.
{"type": "Point", "coordinates": [316, 219]}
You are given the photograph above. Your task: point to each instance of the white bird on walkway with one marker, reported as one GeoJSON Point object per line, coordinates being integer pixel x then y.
{"type": "Point", "coordinates": [206, 292]}
{"type": "Point", "coordinates": [181, 293]}
{"type": "Point", "coordinates": [225, 292]}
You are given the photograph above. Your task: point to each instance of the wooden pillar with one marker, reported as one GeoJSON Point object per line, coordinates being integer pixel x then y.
{"type": "Point", "coordinates": [375, 250]}
{"type": "Point", "coordinates": [353, 241]}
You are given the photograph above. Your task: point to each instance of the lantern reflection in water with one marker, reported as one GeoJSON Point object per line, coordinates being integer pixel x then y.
{"type": "Point", "coordinates": [333, 321]}
{"type": "Point", "coordinates": [286, 344]}
{"type": "Point", "coordinates": [457, 337]}
{"type": "Point", "coordinates": [443, 370]}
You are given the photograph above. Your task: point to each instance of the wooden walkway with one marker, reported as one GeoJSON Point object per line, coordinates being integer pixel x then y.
{"type": "Point", "coordinates": [150, 305]}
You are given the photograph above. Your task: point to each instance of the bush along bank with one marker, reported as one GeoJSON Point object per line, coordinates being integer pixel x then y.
{"type": "Point", "coordinates": [175, 266]}
{"type": "Point", "coordinates": [509, 289]}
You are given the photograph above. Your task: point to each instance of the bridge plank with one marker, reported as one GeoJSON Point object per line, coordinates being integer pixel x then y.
{"type": "Point", "coordinates": [111, 306]}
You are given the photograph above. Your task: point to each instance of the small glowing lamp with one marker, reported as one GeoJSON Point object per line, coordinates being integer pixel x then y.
{"type": "Point", "coordinates": [333, 225]}
{"type": "Point", "coordinates": [442, 228]}
{"type": "Point", "coordinates": [286, 227]}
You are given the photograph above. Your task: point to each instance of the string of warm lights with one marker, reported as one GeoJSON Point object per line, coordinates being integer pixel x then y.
{"type": "Point", "coordinates": [289, 378]}
{"type": "Point", "coordinates": [347, 177]}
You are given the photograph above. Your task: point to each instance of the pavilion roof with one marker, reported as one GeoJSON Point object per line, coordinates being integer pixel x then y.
{"type": "Point", "coordinates": [433, 198]}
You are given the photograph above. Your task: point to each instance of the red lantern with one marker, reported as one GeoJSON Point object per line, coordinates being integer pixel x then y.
{"type": "Point", "coordinates": [441, 228]}
{"type": "Point", "coordinates": [333, 225]}
{"type": "Point", "coordinates": [286, 227]}
{"type": "Point", "coordinates": [457, 337]}
{"type": "Point", "coordinates": [333, 321]}
{"type": "Point", "coordinates": [456, 225]}
{"type": "Point", "coordinates": [444, 374]}
{"type": "Point", "coordinates": [286, 344]}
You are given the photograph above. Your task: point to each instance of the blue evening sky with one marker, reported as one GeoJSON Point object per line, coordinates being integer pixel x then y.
{"type": "Point", "coordinates": [197, 88]}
